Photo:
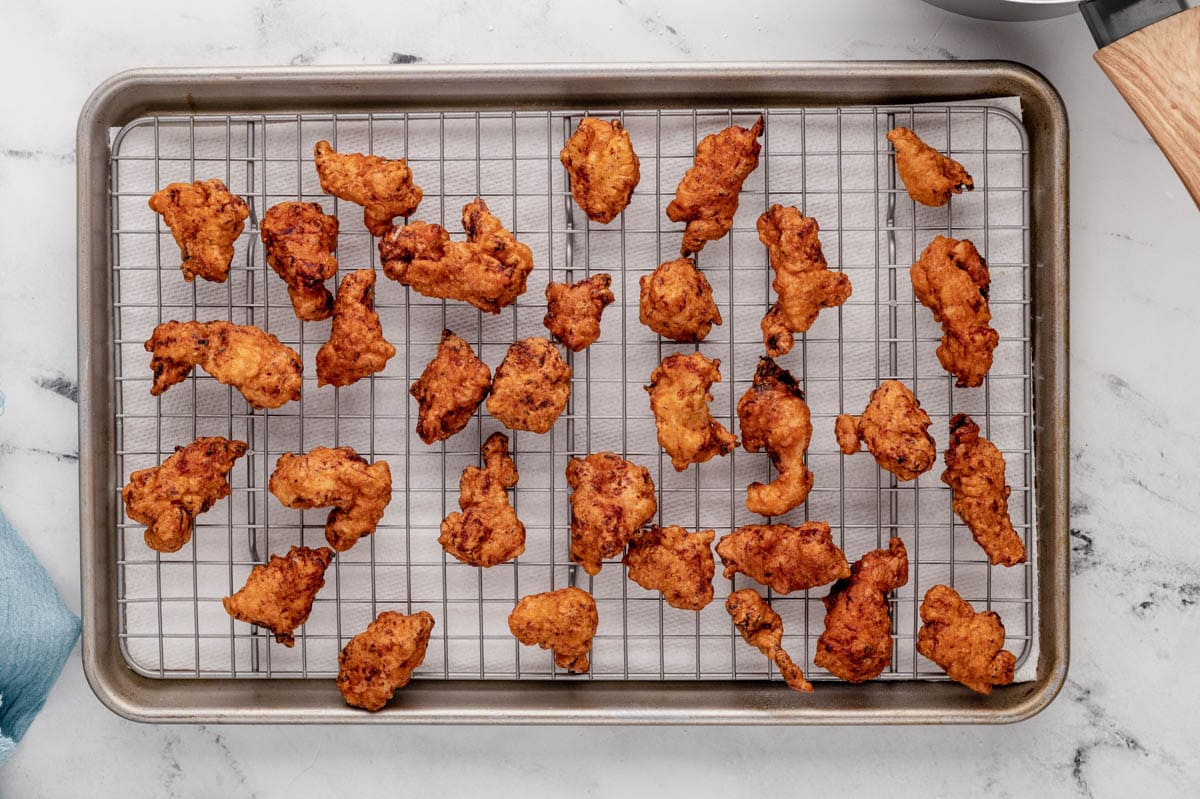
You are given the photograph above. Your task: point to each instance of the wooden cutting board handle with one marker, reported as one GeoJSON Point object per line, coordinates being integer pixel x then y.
{"type": "Point", "coordinates": [1157, 71]}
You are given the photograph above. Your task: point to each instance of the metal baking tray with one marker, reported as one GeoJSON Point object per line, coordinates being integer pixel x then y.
{"type": "Point", "coordinates": [259, 121]}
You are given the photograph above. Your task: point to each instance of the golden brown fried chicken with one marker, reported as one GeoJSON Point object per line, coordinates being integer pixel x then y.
{"type": "Point", "coordinates": [952, 280]}
{"type": "Point", "coordinates": [975, 474]}
{"type": "Point", "coordinates": [573, 310]}
{"type": "Point", "coordinates": [969, 646]}
{"type": "Point", "coordinates": [205, 219]}
{"type": "Point", "coordinates": [339, 478]}
{"type": "Point", "coordinates": [675, 562]}
{"type": "Point", "coordinates": [450, 389]}
{"type": "Point", "coordinates": [929, 176]}
{"type": "Point", "coordinates": [774, 416]}
{"type": "Point", "coordinates": [531, 387]}
{"type": "Point", "coordinates": [278, 595]}
{"type": "Point", "coordinates": [603, 167]}
{"type": "Point", "coordinates": [258, 365]}
{"type": "Point", "coordinates": [803, 279]}
{"type": "Point", "coordinates": [894, 427]}
{"type": "Point", "coordinates": [611, 498]}
{"type": "Point", "coordinates": [857, 643]}
{"type": "Point", "coordinates": [782, 557]}
{"type": "Point", "coordinates": [488, 531]}
{"type": "Point", "coordinates": [380, 660]}
{"type": "Point", "coordinates": [299, 239]}
{"type": "Point", "coordinates": [762, 628]}
{"type": "Point", "coordinates": [356, 346]}
{"type": "Point", "coordinates": [168, 498]}
{"type": "Point", "coordinates": [488, 270]}
{"type": "Point", "coordinates": [383, 187]}
{"type": "Point", "coordinates": [679, 397]}
{"type": "Point", "coordinates": [707, 197]}
{"type": "Point", "coordinates": [677, 301]}
{"type": "Point", "coordinates": [563, 621]}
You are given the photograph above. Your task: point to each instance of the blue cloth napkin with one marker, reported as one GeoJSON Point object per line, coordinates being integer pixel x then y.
{"type": "Point", "coordinates": [37, 633]}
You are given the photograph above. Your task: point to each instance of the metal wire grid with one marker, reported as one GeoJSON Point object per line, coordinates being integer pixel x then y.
{"type": "Point", "coordinates": [833, 163]}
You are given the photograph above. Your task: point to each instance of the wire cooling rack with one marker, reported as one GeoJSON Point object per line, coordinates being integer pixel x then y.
{"type": "Point", "coordinates": [833, 163]}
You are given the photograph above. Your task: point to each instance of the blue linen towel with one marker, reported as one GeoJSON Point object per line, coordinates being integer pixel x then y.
{"type": "Point", "coordinates": [37, 633]}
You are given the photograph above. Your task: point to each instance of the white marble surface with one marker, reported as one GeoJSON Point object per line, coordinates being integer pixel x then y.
{"type": "Point", "coordinates": [1127, 718]}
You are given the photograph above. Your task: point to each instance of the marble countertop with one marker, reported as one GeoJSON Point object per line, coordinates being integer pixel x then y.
{"type": "Point", "coordinates": [1123, 721]}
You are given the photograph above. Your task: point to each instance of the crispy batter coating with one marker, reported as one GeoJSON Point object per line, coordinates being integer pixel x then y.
{"type": "Point", "coordinates": [573, 310]}
{"type": "Point", "coordinates": [450, 389]}
{"type": "Point", "coordinates": [488, 270]}
{"type": "Point", "coordinates": [383, 187]}
{"type": "Point", "coordinates": [774, 416]}
{"type": "Point", "coordinates": [488, 531]}
{"type": "Point", "coordinates": [677, 301]}
{"type": "Point", "coordinates": [338, 478]}
{"type": "Point", "coordinates": [603, 167]}
{"type": "Point", "coordinates": [929, 176]}
{"type": "Point", "coordinates": [563, 621]}
{"type": "Point", "coordinates": [707, 197]}
{"type": "Point", "coordinates": [531, 387]}
{"type": "Point", "coordinates": [168, 498]}
{"type": "Point", "coordinates": [857, 642]}
{"type": "Point", "coordinates": [952, 280]}
{"type": "Point", "coordinates": [969, 646]}
{"type": "Point", "coordinates": [356, 346]}
{"type": "Point", "coordinates": [679, 397]}
{"type": "Point", "coordinates": [762, 628]}
{"type": "Point", "coordinates": [299, 239]}
{"type": "Point", "coordinates": [255, 362]}
{"type": "Point", "coordinates": [975, 474]}
{"type": "Point", "coordinates": [803, 280]}
{"type": "Point", "coordinates": [278, 595]}
{"type": "Point", "coordinates": [894, 427]}
{"type": "Point", "coordinates": [675, 562]}
{"type": "Point", "coordinates": [611, 498]}
{"type": "Point", "coordinates": [205, 219]}
{"type": "Point", "coordinates": [782, 557]}
{"type": "Point", "coordinates": [380, 660]}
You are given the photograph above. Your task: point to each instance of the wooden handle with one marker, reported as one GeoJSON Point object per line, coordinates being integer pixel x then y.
{"type": "Point", "coordinates": [1157, 71]}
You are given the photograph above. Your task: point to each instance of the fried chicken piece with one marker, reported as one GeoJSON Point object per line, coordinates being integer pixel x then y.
{"type": "Point", "coordinates": [969, 646]}
{"type": "Point", "coordinates": [299, 239]}
{"type": "Point", "coordinates": [263, 370]}
{"type": "Point", "coordinates": [603, 167]}
{"type": "Point", "coordinates": [782, 557]}
{"type": "Point", "coordinates": [707, 197]}
{"type": "Point", "coordinates": [278, 595]}
{"type": "Point", "coordinates": [380, 660]}
{"type": "Point", "coordinates": [774, 415]}
{"type": "Point", "coordinates": [952, 280]}
{"type": "Point", "coordinates": [857, 642]}
{"type": "Point", "coordinates": [573, 310]}
{"type": "Point", "coordinates": [895, 428]}
{"type": "Point", "coordinates": [450, 389]}
{"type": "Point", "coordinates": [488, 531]}
{"type": "Point", "coordinates": [168, 498]}
{"type": "Point", "coordinates": [762, 628]}
{"type": "Point", "coordinates": [975, 474]}
{"type": "Point", "coordinates": [338, 478]}
{"type": "Point", "coordinates": [531, 387]}
{"type": "Point", "coordinates": [679, 397]}
{"type": "Point", "coordinates": [356, 346]}
{"type": "Point", "coordinates": [677, 301]}
{"type": "Point", "coordinates": [205, 219]}
{"type": "Point", "coordinates": [611, 498]}
{"type": "Point", "coordinates": [563, 621]}
{"type": "Point", "coordinates": [488, 270]}
{"type": "Point", "coordinates": [803, 279]}
{"type": "Point", "coordinates": [929, 176]}
{"type": "Point", "coordinates": [383, 187]}
{"type": "Point", "coordinates": [675, 562]}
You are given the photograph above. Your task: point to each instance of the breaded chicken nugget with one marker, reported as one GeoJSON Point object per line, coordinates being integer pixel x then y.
{"type": "Point", "coordinates": [975, 473]}
{"type": "Point", "coordinates": [969, 646]}
{"type": "Point", "coordinates": [356, 346]}
{"type": "Point", "coordinates": [603, 167]}
{"type": "Point", "coordinates": [450, 389]}
{"type": "Point", "coordinates": [383, 187]}
{"type": "Point", "coordinates": [573, 310]}
{"type": "Point", "coordinates": [929, 176]}
{"type": "Point", "coordinates": [676, 301]}
{"type": "Point", "coordinates": [563, 621]}
{"type": "Point", "coordinates": [380, 660]}
{"type": "Point", "coordinates": [205, 219]}
{"type": "Point", "coordinates": [299, 239]}
{"type": "Point", "coordinates": [775, 417]}
{"type": "Point", "coordinates": [762, 628]}
{"type": "Point", "coordinates": [611, 498]}
{"type": "Point", "coordinates": [951, 279]}
{"type": "Point", "coordinates": [894, 427]}
{"type": "Point", "coordinates": [675, 562]}
{"type": "Point", "coordinates": [339, 478]}
{"type": "Point", "coordinates": [679, 397]}
{"type": "Point", "coordinates": [278, 595]}
{"type": "Point", "coordinates": [782, 557]}
{"type": "Point", "coordinates": [531, 386]}
{"type": "Point", "coordinates": [488, 531]}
